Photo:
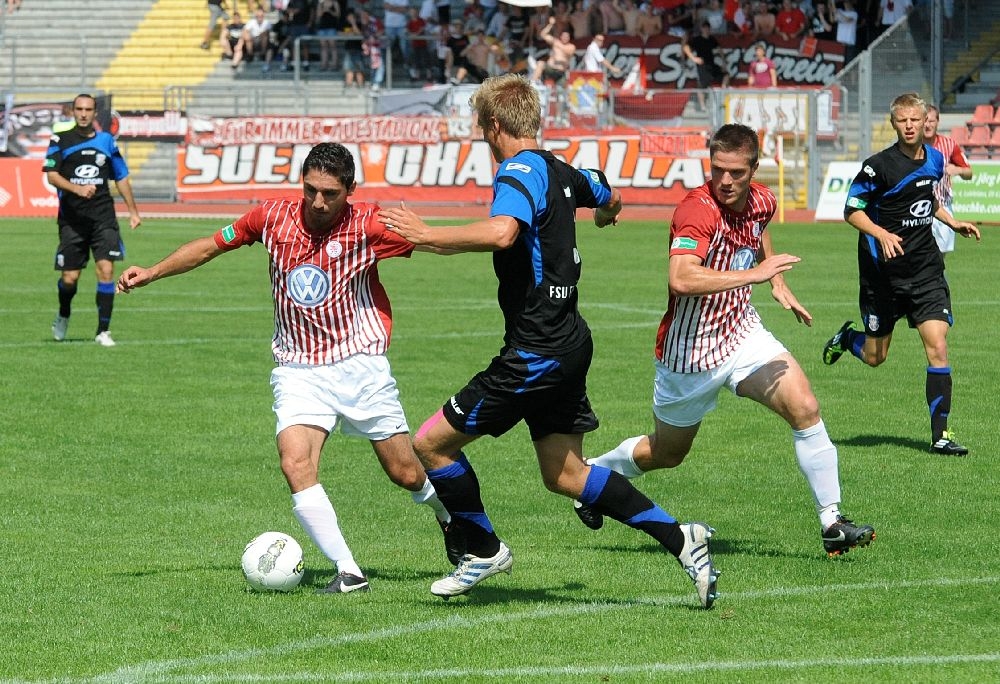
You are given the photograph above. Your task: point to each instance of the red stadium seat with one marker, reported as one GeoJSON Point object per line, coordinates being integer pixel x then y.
{"type": "Point", "coordinates": [961, 135]}
{"type": "Point", "coordinates": [983, 114]}
{"type": "Point", "coordinates": [995, 140]}
{"type": "Point", "coordinates": [979, 141]}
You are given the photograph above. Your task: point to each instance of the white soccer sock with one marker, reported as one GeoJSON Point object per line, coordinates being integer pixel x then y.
{"type": "Point", "coordinates": [620, 459]}
{"type": "Point", "coordinates": [428, 496]}
{"type": "Point", "coordinates": [817, 458]}
{"type": "Point", "coordinates": [315, 513]}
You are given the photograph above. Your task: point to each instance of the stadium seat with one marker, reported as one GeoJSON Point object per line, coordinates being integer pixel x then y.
{"type": "Point", "coordinates": [995, 143]}
{"type": "Point", "coordinates": [979, 141]}
{"type": "Point", "coordinates": [982, 115]}
{"type": "Point", "coordinates": [961, 135]}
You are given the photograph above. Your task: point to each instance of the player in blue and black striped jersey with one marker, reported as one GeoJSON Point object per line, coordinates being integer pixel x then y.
{"type": "Point", "coordinates": [81, 163]}
{"type": "Point", "coordinates": [540, 374]}
{"type": "Point", "coordinates": [892, 205]}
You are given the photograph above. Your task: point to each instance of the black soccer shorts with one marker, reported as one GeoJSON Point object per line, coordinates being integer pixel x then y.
{"type": "Point", "coordinates": [882, 304]}
{"type": "Point", "coordinates": [77, 242]}
{"type": "Point", "coordinates": [549, 393]}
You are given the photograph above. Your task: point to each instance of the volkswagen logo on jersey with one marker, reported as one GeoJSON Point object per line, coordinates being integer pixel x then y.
{"type": "Point", "coordinates": [742, 260]}
{"type": "Point", "coordinates": [86, 171]}
{"type": "Point", "coordinates": [921, 209]}
{"type": "Point", "coordinates": [308, 285]}
{"type": "Point", "coordinates": [334, 249]}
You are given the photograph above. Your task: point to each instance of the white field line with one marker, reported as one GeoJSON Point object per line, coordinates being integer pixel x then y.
{"type": "Point", "coordinates": [161, 672]}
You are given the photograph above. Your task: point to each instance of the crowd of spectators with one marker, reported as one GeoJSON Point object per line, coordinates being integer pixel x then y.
{"type": "Point", "coordinates": [441, 41]}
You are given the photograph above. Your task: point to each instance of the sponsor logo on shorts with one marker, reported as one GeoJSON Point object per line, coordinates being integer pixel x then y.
{"type": "Point", "coordinates": [454, 406]}
{"type": "Point", "coordinates": [684, 243]}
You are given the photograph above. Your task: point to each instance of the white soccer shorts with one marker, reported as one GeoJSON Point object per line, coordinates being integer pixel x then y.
{"type": "Point", "coordinates": [683, 399]}
{"type": "Point", "coordinates": [359, 394]}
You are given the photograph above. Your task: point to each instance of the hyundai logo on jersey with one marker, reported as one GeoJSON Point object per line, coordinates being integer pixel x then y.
{"type": "Point", "coordinates": [921, 209]}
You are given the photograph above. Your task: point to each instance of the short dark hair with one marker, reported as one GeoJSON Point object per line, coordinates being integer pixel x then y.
{"type": "Point", "coordinates": [333, 159]}
{"type": "Point", "coordinates": [734, 137]}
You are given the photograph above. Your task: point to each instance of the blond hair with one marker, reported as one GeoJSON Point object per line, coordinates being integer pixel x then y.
{"type": "Point", "coordinates": [512, 102]}
{"type": "Point", "coordinates": [907, 101]}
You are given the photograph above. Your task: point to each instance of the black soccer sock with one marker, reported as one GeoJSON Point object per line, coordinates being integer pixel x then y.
{"type": "Point", "coordinates": [66, 294]}
{"type": "Point", "coordinates": [458, 489]}
{"type": "Point", "coordinates": [939, 399]}
{"type": "Point", "coordinates": [613, 495]}
{"type": "Point", "coordinates": [105, 303]}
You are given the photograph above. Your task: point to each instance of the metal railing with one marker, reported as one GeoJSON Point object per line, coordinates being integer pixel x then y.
{"type": "Point", "coordinates": [10, 54]}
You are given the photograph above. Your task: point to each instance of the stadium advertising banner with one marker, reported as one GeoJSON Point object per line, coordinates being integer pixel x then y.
{"type": "Point", "coordinates": [978, 199]}
{"type": "Point", "coordinates": [24, 189]}
{"type": "Point", "coordinates": [666, 66]}
{"type": "Point", "coordinates": [419, 159]}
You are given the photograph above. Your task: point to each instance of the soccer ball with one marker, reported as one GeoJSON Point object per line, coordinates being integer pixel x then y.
{"type": "Point", "coordinates": [273, 562]}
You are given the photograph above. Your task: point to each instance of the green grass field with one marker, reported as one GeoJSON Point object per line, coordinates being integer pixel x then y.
{"type": "Point", "coordinates": [132, 478]}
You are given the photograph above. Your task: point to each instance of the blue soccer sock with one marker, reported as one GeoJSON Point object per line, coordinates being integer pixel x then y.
{"type": "Point", "coordinates": [855, 341]}
{"type": "Point", "coordinates": [611, 494]}
{"type": "Point", "coordinates": [458, 489]}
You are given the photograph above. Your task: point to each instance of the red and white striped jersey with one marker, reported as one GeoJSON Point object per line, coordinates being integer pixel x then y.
{"type": "Point", "coordinates": [328, 301]}
{"type": "Point", "coordinates": [952, 155]}
{"type": "Point", "coordinates": [699, 333]}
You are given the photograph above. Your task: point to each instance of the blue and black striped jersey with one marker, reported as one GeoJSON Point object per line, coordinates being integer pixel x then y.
{"type": "Point", "coordinates": [83, 160]}
{"type": "Point", "coordinates": [539, 274]}
{"type": "Point", "coordinates": [897, 193]}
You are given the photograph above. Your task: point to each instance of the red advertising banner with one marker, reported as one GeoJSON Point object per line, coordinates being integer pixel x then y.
{"type": "Point", "coordinates": [24, 191]}
{"type": "Point", "coordinates": [258, 158]}
{"type": "Point", "coordinates": [667, 67]}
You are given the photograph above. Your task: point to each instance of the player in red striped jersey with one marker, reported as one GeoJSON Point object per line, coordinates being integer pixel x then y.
{"type": "Point", "coordinates": [955, 164]}
{"type": "Point", "coordinates": [711, 336]}
{"type": "Point", "coordinates": [332, 323]}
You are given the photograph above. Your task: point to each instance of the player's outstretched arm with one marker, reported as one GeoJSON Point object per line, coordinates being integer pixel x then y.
{"type": "Point", "coordinates": [185, 258]}
{"type": "Point", "coordinates": [489, 235]}
{"type": "Point", "coordinates": [779, 288]}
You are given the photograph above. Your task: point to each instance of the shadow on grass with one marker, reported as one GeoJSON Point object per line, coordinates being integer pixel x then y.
{"type": "Point", "coordinates": [882, 440]}
{"type": "Point", "coordinates": [722, 547]}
